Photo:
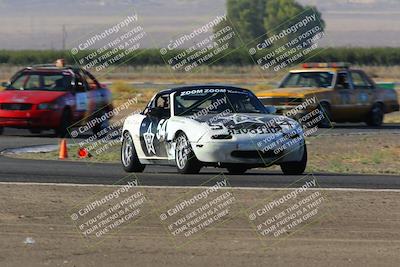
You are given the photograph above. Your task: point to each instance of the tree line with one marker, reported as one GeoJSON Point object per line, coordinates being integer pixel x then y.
{"type": "Point", "coordinates": [384, 56]}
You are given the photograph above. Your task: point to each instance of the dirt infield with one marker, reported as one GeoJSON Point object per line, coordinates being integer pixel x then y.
{"type": "Point", "coordinates": [358, 228]}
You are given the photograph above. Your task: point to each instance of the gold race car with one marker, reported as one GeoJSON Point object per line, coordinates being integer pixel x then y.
{"type": "Point", "coordinates": [342, 93]}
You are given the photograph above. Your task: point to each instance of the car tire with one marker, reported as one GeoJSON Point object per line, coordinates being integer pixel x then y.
{"type": "Point", "coordinates": [236, 170]}
{"type": "Point", "coordinates": [376, 116]}
{"type": "Point", "coordinates": [297, 167]}
{"type": "Point", "coordinates": [65, 122]}
{"type": "Point", "coordinates": [325, 110]}
{"type": "Point", "coordinates": [1, 130]}
{"type": "Point", "coordinates": [185, 159]}
{"type": "Point", "coordinates": [129, 158]}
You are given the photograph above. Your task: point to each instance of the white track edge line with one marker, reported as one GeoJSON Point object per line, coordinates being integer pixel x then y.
{"type": "Point", "coordinates": [203, 187]}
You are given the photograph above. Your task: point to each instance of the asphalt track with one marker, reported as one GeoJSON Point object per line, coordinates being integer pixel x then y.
{"type": "Point", "coordinates": [19, 170]}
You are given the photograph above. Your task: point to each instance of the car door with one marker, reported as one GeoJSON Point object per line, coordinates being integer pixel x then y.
{"type": "Point", "coordinates": [153, 128]}
{"type": "Point", "coordinates": [364, 93]}
{"type": "Point", "coordinates": [82, 103]}
{"type": "Point", "coordinates": [98, 96]}
{"type": "Point", "coordinates": [93, 94]}
{"type": "Point", "coordinates": [344, 99]}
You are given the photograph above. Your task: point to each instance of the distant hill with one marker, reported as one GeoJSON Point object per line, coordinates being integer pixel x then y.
{"type": "Point", "coordinates": [38, 24]}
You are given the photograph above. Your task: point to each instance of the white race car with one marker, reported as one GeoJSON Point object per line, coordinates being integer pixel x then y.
{"type": "Point", "coordinates": [211, 125]}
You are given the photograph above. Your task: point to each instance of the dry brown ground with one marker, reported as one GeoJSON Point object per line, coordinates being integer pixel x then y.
{"type": "Point", "coordinates": [374, 154]}
{"type": "Point", "coordinates": [361, 229]}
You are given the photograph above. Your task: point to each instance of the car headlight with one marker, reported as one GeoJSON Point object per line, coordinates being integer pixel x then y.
{"type": "Point", "coordinates": [47, 106]}
{"type": "Point", "coordinates": [291, 128]}
{"type": "Point", "coordinates": [216, 127]}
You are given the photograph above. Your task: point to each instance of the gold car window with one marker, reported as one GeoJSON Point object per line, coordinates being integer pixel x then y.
{"type": "Point", "coordinates": [359, 81]}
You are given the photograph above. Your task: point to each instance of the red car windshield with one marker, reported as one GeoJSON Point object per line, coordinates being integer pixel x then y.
{"type": "Point", "coordinates": [41, 81]}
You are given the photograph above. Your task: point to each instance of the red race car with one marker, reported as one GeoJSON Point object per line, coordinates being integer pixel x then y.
{"type": "Point", "coordinates": [55, 97]}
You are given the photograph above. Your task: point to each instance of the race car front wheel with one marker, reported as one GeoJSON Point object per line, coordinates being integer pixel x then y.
{"type": "Point", "coordinates": [186, 161]}
{"type": "Point", "coordinates": [129, 158]}
{"type": "Point", "coordinates": [296, 167]}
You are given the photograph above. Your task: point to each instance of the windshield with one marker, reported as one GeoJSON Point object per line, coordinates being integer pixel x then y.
{"type": "Point", "coordinates": [41, 81]}
{"type": "Point", "coordinates": [215, 101]}
{"type": "Point", "coordinates": [308, 79]}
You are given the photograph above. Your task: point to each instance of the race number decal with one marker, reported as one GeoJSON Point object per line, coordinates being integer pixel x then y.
{"type": "Point", "coordinates": [148, 137]}
{"type": "Point", "coordinates": [152, 137]}
{"type": "Point", "coordinates": [82, 103]}
{"type": "Point", "coordinates": [161, 130]}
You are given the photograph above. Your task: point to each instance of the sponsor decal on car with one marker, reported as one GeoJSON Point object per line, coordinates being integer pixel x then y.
{"type": "Point", "coordinates": [149, 140]}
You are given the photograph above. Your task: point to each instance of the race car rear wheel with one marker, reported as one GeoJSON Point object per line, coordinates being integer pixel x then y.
{"type": "Point", "coordinates": [99, 127]}
{"type": "Point", "coordinates": [129, 158]}
{"type": "Point", "coordinates": [376, 115]}
{"type": "Point", "coordinates": [236, 170]}
{"type": "Point", "coordinates": [186, 161]}
{"type": "Point", "coordinates": [296, 167]}
{"type": "Point", "coordinates": [65, 122]}
{"type": "Point", "coordinates": [1, 130]}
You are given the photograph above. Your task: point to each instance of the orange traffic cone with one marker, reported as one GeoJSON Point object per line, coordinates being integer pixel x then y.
{"type": "Point", "coordinates": [63, 149]}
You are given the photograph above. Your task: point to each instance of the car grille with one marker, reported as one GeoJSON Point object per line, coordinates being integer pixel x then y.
{"type": "Point", "coordinates": [15, 106]}
{"type": "Point", "coordinates": [281, 101]}
{"type": "Point", "coordinates": [254, 128]}
{"type": "Point", "coordinates": [253, 154]}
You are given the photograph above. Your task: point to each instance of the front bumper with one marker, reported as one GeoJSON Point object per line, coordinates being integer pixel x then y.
{"type": "Point", "coordinates": [234, 152]}
{"type": "Point", "coordinates": [45, 119]}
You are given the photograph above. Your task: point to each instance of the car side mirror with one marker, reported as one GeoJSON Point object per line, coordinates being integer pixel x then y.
{"type": "Point", "coordinates": [5, 84]}
{"type": "Point", "coordinates": [155, 111]}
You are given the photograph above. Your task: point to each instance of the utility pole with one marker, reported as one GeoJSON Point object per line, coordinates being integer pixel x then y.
{"type": "Point", "coordinates": [64, 37]}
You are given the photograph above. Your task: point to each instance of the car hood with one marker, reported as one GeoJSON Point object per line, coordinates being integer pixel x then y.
{"type": "Point", "coordinates": [31, 97]}
{"type": "Point", "coordinates": [292, 92]}
{"type": "Point", "coordinates": [242, 120]}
